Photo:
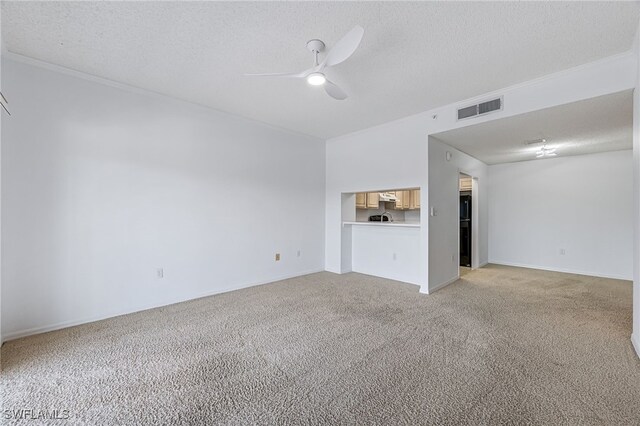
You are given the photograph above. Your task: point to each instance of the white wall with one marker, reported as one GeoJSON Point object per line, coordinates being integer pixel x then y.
{"type": "Point", "coordinates": [394, 155]}
{"type": "Point", "coordinates": [582, 204]}
{"type": "Point", "coordinates": [68, 159]}
{"type": "Point", "coordinates": [367, 162]}
{"type": "Point", "coordinates": [388, 252]}
{"type": "Point", "coordinates": [444, 197]}
{"type": "Point", "coordinates": [635, 337]}
{"type": "Point", "coordinates": [101, 186]}
{"type": "Point", "coordinates": [2, 117]}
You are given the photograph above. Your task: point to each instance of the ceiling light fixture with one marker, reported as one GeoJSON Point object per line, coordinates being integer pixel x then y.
{"type": "Point", "coordinates": [546, 152]}
{"type": "Point", "coordinates": [316, 79]}
{"type": "Point", "coordinates": [315, 76]}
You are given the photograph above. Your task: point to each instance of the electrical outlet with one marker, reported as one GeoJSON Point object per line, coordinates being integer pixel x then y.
{"type": "Point", "coordinates": [395, 256]}
{"type": "Point", "coordinates": [160, 273]}
{"type": "Point", "coordinates": [299, 253]}
{"type": "Point", "coordinates": [277, 257]}
{"type": "Point", "coordinates": [562, 252]}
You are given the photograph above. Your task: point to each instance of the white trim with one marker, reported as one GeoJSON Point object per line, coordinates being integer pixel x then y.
{"type": "Point", "coordinates": [65, 324]}
{"type": "Point", "coordinates": [563, 270]}
{"type": "Point", "coordinates": [635, 341]}
{"type": "Point", "coordinates": [388, 224]}
{"type": "Point", "coordinates": [475, 218]}
{"type": "Point", "coordinates": [386, 277]}
{"type": "Point", "coordinates": [424, 290]}
{"type": "Point", "coordinates": [145, 92]}
{"type": "Point", "coordinates": [482, 265]}
{"type": "Point", "coordinates": [444, 284]}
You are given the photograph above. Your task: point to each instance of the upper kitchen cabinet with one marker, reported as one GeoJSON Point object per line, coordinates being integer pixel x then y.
{"type": "Point", "coordinates": [403, 200]}
{"type": "Point", "coordinates": [414, 203]}
{"type": "Point", "coordinates": [465, 183]}
{"type": "Point", "coordinates": [373, 200]}
{"type": "Point", "coordinates": [367, 200]}
{"type": "Point", "coordinates": [398, 203]}
{"type": "Point", "coordinates": [407, 199]}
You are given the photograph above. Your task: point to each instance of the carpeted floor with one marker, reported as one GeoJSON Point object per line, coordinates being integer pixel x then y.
{"type": "Point", "coordinates": [501, 346]}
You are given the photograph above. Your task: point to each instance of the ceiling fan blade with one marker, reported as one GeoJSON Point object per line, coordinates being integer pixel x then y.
{"type": "Point", "coordinates": [344, 48]}
{"type": "Point", "coordinates": [302, 74]}
{"type": "Point", "coordinates": [334, 91]}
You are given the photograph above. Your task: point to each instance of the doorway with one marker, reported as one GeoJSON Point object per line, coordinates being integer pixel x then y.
{"type": "Point", "coordinates": [465, 190]}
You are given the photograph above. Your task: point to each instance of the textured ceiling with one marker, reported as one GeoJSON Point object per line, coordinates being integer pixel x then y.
{"type": "Point", "coordinates": [594, 125]}
{"type": "Point", "coordinates": [414, 55]}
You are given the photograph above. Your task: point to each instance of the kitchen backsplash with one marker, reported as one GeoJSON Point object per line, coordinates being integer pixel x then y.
{"type": "Point", "coordinates": [362, 215]}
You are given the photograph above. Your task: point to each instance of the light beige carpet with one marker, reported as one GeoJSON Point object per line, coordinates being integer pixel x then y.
{"type": "Point", "coordinates": [501, 346]}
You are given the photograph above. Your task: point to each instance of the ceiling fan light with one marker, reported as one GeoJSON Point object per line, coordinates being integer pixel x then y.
{"type": "Point", "coordinates": [545, 151]}
{"type": "Point", "coordinates": [316, 79]}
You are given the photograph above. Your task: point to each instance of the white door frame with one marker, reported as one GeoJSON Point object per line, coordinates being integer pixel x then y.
{"type": "Point", "coordinates": [475, 220]}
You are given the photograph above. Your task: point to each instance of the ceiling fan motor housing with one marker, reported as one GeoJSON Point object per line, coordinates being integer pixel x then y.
{"type": "Point", "coordinates": [315, 45]}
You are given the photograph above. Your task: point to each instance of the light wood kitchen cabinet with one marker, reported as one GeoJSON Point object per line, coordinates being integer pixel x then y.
{"type": "Point", "coordinates": [465, 183]}
{"type": "Point", "coordinates": [403, 200]}
{"type": "Point", "coordinates": [406, 199]}
{"type": "Point", "coordinates": [367, 200]}
{"type": "Point", "coordinates": [398, 204]}
{"type": "Point", "coordinates": [373, 200]}
{"type": "Point", "coordinates": [415, 199]}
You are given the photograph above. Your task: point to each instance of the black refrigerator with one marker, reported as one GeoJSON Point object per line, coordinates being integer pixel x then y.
{"type": "Point", "coordinates": [465, 230]}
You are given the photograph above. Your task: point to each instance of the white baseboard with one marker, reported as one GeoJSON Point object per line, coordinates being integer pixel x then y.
{"type": "Point", "coordinates": [444, 284]}
{"type": "Point", "coordinates": [563, 270]}
{"type": "Point", "coordinates": [635, 340]}
{"type": "Point", "coordinates": [483, 264]}
{"type": "Point", "coordinates": [65, 324]}
{"type": "Point", "coordinates": [387, 276]}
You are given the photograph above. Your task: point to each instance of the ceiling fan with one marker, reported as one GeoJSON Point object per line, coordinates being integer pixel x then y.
{"type": "Point", "coordinates": [545, 151]}
{"type": "Point", "coordinates": [338, 54]}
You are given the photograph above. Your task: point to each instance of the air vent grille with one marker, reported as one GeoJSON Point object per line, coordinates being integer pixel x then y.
{"type": "Point", "coordinates": [467, 112]}
{"type": "Point", "coordinates": [490, 106]}
{"type": "Point", "coordinates": [480, 109]}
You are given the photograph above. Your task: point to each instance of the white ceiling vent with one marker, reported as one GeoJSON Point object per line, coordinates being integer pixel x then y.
{"type": "Point", "coordinates": [480, 109]}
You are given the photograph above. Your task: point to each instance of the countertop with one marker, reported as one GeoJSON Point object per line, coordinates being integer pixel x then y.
{"type": "Point", "coordinates": [396, 224]}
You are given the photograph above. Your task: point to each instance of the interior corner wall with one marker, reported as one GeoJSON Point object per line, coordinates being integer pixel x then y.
{"type": "Point", "coordinates": [582, 205]}
{"type": "Point", "coordinates": [444, 199]}
{"type": "Point", "coordinates": [393, 156]}
{"type": "Point", "coordinates": [102, 186]}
